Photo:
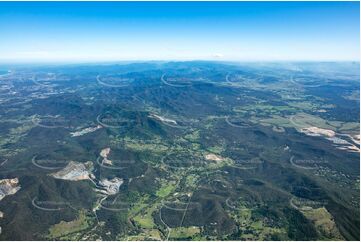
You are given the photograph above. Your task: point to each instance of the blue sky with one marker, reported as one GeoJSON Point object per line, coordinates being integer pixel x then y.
{"type": "Point", "coordinates": [244, 31]}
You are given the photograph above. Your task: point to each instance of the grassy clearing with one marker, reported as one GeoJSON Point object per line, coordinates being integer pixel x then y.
{"type": "Point", "coordinates": [264, 109]}
{"type": "Point", "coordinates": [140, 145]}
{"type": "Point", "coordinates": [184, 232]}
{"type": "Point", "coordinates": [275, 120]}
{"type": "Point", "coordinates": [15, 135]}
{"type": "Point", "coordinates": [147, 234]}
{"type": "Point", "coordinates": [145, 220]}
{"type": "Point", "coordinates": [141, 204]}
{"type": "Point", "coordinates": [193, 137]}
{"type": "Point", "coordinates": [350, 126]}
{"type": "Point", "coordinates": [191, 180]}
{"type": "Point", "coordinates": [305, 106]}
{"type": "Point", "coordinates": [324, 223]}
{"type": "Point", "coordinates": [255, 229]}
{"type": "Point", "coordinates": [165, 190]}
{"type": "Point", "coordinates": [303, 120]}
{"type": "Point", "coordinates": [62, 229]}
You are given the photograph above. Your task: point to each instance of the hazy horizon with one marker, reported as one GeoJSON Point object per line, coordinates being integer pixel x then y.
{"type": "Point", "coordinates": [88, 32]}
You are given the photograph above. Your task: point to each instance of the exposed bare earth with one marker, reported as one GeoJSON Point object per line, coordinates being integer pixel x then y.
{"type": "Point", "coordinates": [9, 187]}
{"type": "Point", "coordinates": [111, 186]}
{"type": "Point", "coordinates": [213, 157]}
{"type": "Point", "coordinates": [163, 119]}
{"type": "Point", "coordinates": [315, 131]}
{"type": "Point", "coordinates": [74, 171]}
{"type": "Point", "coordinates": [104, 153]}
{"type": "Point", "coordinates": [331, 135]}
{"type": "Point", "coordinates": [85, 131]}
